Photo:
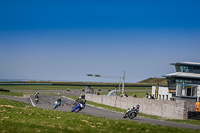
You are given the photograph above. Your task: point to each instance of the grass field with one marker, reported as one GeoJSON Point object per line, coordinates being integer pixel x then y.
{"type": "Point", "coordinates": [10, 94]}
{"type": "Point", "coordinates": [39, 87]}
{"type": "Point", "coordinates": [141, 91]}
{"type": "Point", "coordinates": [20, 117]}
{"type": "Point", "coordinates": [60, 87]}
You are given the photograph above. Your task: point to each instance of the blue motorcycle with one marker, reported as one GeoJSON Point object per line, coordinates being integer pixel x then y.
{"type": "Point", "coordinates": [78, 107]}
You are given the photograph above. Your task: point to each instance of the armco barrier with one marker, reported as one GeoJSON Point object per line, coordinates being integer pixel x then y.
{"type": "Point", "coordinates": [163, 108]}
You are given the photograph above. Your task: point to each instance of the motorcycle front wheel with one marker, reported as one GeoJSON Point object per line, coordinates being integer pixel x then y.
{"type": "Point", "coordinates": [54, 106]}
{"type": "Point", "coordinates": [125, 116]}
{"type": "Point", "coordinates": [77, 110]}
{"type": "Point", "coordinates": [132, 115]}
{"type": "Point", "coordinates": [36, 100]}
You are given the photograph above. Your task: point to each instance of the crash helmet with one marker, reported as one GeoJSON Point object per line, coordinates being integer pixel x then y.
{"type": "Point", "coordinates": [137, 106]}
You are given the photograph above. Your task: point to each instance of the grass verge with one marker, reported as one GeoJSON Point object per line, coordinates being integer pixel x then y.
{"type": "Point", "coordinates": [4, 93]}
{"type": "Point", "coordinates": [21, 117]}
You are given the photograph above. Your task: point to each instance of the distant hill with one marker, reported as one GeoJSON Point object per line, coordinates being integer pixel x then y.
{"type": "Point", "coordinates": [161, 81]}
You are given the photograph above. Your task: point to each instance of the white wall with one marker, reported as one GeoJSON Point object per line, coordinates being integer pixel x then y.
{"type": "Point", "coordinates": [163, 93]}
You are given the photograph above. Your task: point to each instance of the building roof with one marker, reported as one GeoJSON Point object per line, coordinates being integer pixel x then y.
{"type": "Point", "coordinates": [186, 63]}
{"type": "Point", "coordinates": [183, 75]}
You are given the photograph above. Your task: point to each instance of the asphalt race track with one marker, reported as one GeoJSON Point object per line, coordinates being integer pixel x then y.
{"type": "Point", "coordinates": [48, 101]}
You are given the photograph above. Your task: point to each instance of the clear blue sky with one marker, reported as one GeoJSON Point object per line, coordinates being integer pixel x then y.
{"type": "Point", "coordinates": [65, 40]}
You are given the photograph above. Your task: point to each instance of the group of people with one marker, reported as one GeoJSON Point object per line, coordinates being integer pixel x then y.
{"type": "Point", "coordinates": [124, 95]}
{"type": "Point", "coordinates": [149, 96]}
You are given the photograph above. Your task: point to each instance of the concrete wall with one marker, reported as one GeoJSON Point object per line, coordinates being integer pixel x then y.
{"type": "Point", "coordinates": [163, 108]}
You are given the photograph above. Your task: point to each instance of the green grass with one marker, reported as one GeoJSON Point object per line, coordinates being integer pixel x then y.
{"type": "Point", "coordinates": [21, 117]}
{"type": "Point", "coordinates": [47, 87]}
{"type": "Point", "coordinates": [130, 90]}
{"type": "Point", "coordinates": [39, 87]}
{"type": "Point", "coordinates": [10, 94]}
{"type": "Point", "coordinates": [61, 87]}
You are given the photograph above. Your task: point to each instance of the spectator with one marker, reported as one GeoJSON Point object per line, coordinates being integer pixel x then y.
{"type": "Point", "coordinates": [147, 95]}
{"type": "Point", "coordinates": [197, 104]}
{"type": "Point", "coordinates": [134, 95]}
{"type": "Point", "coordinates": [152, 96]}
{"type": "Point", "coordinates": [124, 95]}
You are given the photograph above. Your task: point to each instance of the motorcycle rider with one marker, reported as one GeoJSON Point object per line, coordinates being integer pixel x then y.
{"type": "Point", "coordinates": [132, 112]}
{"type": "Point", "coordinates": [83, 102]}
{"type": "Point", "coordinates": [77, 101]}
{"type": "Point", "coordinates": [58, 101]}
{"type": "Point", "coordinates": [36, 95]}
{"type": "Point", "coordinates": [137, 108]}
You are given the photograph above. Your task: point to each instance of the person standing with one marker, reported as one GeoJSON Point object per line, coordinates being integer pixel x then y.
{"type": "Point", "coordinates": [197, 104]}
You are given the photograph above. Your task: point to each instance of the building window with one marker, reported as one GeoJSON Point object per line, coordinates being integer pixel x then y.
{"type": "Point", "coordinates": [186, 90]}
{"type": "Point", "coordinates": [166, 97]}
{"type": "Point", "coordinates": [192, 69]}
{"type": "Point", "coordinates": [194, 91]}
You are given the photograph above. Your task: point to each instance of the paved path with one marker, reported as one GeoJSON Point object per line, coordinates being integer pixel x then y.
{"type": "Point", "coordinates": [48, 101]}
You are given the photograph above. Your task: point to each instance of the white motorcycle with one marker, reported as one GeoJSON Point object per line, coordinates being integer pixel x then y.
{"type": "Point", "coordinates": [56, 104]}
{"type": "Point", "coordinates": [131, 113]}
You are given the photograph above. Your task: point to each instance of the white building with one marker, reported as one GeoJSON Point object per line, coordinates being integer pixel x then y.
{"type": "Point", "coordinates": [163, 93]}
{"type": "Point", "coordinates": [184, 84]}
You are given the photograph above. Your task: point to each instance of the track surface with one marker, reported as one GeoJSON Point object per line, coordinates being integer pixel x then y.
{"type": "Point", "coordinates": [48, 101]}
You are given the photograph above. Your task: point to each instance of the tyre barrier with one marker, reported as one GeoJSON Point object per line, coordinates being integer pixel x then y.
{"type": "Point", "coordinates": [4, 90]}
{"type": "Point", "coordinates": [194, 115]}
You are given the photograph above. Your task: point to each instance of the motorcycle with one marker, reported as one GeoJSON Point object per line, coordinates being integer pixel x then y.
{"type": "Point", "coordinates": [36, 100]}
{"type": "Point", "coordinates": [56, 104]}
{"type": "Point", "coordinates": [78, 107]}
{"type": "Point", "coordinates": [131, 113]}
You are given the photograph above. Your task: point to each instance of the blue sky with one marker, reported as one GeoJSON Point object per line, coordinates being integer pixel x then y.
{"type": "Point", "coordinates": [65, 40]}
